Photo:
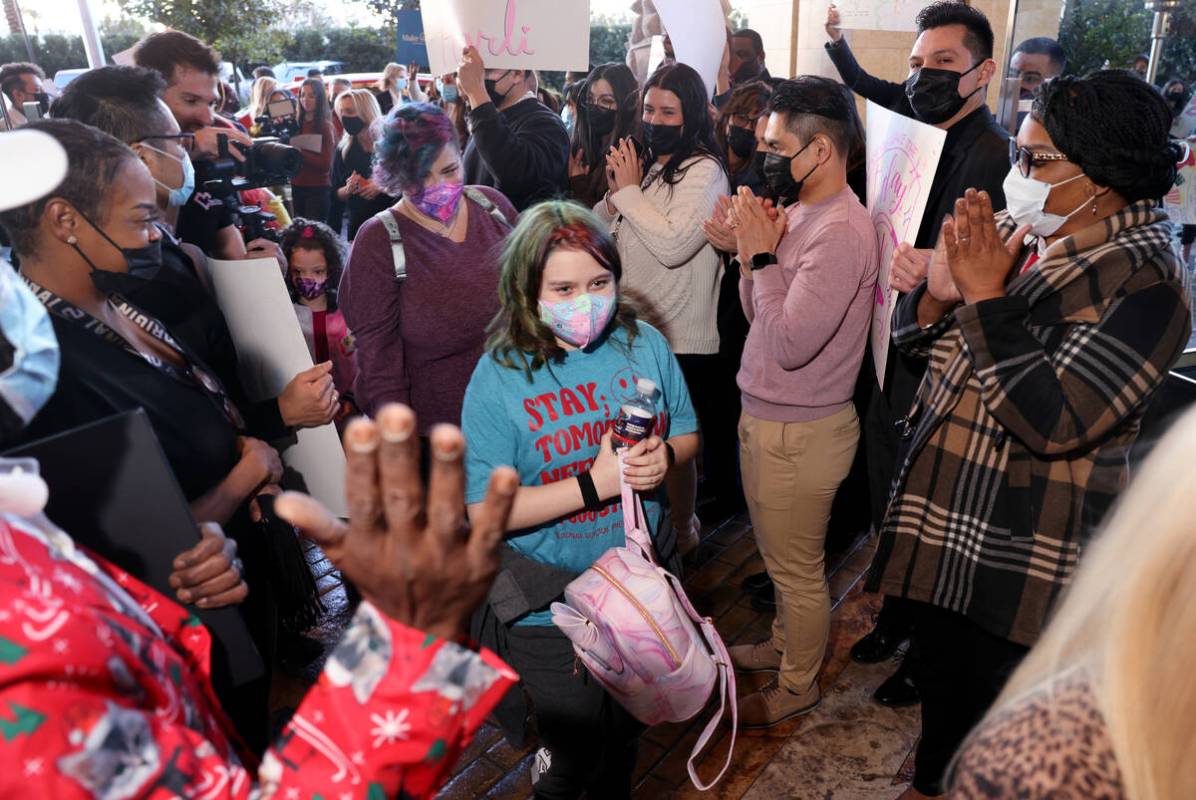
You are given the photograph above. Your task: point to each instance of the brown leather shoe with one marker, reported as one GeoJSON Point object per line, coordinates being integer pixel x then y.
{"type": "Point", "coordinates": [758, 657]}
{"type": "Point", "coordinates": [774, 704]}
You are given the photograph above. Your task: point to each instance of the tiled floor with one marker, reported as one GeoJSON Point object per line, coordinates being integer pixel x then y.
{"type": "Point", "coordinates": [849, 748]}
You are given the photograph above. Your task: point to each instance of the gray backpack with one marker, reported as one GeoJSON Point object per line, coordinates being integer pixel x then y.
{"type": "Point", "coordinates": [396, 238]}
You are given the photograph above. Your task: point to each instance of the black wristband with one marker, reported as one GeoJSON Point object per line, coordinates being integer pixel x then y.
{"type": "Point", "coordinates": [762, 260]}
{"type": "Point", "coordinates": [672, 454]}
{"type": "Point", "coordinates": [589, 492]}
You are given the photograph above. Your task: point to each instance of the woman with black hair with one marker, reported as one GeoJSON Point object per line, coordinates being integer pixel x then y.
{"type": "Point", "coordinates": [655, 206]}
{"type": "Point", "coordinates": [311, 189]}
{"type": "Point", "coordinates": [1048, 326]}
{"type": "Point", "coordinates": [607, 111]}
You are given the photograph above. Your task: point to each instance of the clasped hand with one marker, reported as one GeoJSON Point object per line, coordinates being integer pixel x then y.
{"type": "Point", "coordinates": [978, 259]}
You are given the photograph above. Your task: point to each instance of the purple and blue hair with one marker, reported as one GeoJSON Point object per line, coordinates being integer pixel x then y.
{"type": "Point", "coordinates": [409, 139]}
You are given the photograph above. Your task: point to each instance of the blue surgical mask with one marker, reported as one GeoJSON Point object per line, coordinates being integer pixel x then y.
{"type": "Point", "coordinates": [450, 94]}
{"type": "Point", "coordinates": [29, 381]}
{"type": "Point", "coordinates": [400, 83]}
{"type": "Point", "coordinates": [181, 194]}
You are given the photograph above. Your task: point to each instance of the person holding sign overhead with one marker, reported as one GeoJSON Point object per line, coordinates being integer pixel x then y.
{"type": "Point", "coordinates": [517, 145]}
{"type": "Point", "coordinates": [950, 68]}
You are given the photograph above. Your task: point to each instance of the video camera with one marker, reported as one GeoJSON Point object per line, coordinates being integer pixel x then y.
{"type": "Point", "coordinates": [268, 162]}
{"type": "Point", "coordinates": [280, 120]}
{"type": "Point", "coordinates": [254, 223]}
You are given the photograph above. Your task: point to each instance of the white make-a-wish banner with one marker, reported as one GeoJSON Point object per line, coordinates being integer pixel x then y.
{"type": "Point", "coordinates": [509, 34]}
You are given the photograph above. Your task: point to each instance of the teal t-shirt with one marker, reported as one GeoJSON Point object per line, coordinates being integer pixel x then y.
{"type": "Point", "coordinates": [549, 430]}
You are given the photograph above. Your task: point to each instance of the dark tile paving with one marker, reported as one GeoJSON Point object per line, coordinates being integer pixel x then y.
{"type": "Point", "coordinates": [846, 749]}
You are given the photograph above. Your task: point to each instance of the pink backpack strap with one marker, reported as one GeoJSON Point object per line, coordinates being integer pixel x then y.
{"type": "Point", "coordinates": [726, 686]}
{"type": "Point", "coordinates": [635, 527]}
{"type": "Point", "coordinates": [635, 522]}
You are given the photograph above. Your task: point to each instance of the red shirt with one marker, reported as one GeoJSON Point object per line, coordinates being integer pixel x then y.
{"type": "Point", "coordinates": [104, 693]}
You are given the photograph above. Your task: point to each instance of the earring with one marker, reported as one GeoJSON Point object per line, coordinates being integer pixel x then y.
{"type": "Point", "coordinates": [72, 239]}
{"type": "Point", "coordinates": [1094, 206]}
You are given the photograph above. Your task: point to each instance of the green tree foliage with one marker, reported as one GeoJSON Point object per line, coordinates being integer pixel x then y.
{"type": "Point", "coordinates": [1096, 32]}
{"type": "Point", "coordinates": [53, 52]}
{"type": "Point", "coordinates": [239, 30]}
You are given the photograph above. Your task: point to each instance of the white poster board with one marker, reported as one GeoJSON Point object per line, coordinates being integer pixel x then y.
{"type": "Point", "coordinates": [879, 15]}
{"type": "Point", "coordinates": [698, 32]}
{"type": "Point", "coordinates": [510, 34]}
{"type": "Point", "coordinates": [1180, 202]}
{"type": "Point", "coordinates": [903, 155]}
{"type": "Point", "coordinates": [1185, 124]}
{"type": "Point", "coordinates": [271, 351]}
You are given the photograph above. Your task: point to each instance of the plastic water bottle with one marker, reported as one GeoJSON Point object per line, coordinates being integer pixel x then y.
{"type": "Point", "coordinates": [636, 417]}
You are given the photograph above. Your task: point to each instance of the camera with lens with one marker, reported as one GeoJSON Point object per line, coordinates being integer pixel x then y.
{"type": "Point", "coordinates": [255, 223]}
{"type": "Point", "coordinates": [268, 162]}
{"type": "Point", "coordinates": [279, 121]}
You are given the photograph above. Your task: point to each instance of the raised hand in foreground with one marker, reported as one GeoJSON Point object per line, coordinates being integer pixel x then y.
{"type": "Point", "coordinates": [410, 553]}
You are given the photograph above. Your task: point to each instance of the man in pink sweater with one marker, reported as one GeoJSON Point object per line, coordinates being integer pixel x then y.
{"type": "Point", "coordinates": [809, 276]}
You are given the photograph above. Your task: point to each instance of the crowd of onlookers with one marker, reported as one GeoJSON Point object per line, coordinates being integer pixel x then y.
{"type": "Point", "coordinates": [478, 250]}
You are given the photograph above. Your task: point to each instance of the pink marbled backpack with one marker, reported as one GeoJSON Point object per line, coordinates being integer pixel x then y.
{"type": "Point", "coordinates": [637, 633]}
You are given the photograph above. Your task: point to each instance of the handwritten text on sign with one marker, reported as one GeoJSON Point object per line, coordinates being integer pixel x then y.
{"type": "Point", "coordinates": [902, 157]}
{"type": "Point", "coordinates": [510, 34]}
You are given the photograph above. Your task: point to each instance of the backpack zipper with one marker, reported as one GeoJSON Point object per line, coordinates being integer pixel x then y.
{"type": "Point", "coordinates": [643, 612]}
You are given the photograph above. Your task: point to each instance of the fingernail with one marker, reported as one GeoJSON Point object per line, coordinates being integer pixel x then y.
{"type": "Point", "coordinates": [395, 427]}
{"type": "Point", "coordinates": [361, 439]}
{"type": "Point", "coordinates": [185, 596]}
{"type": "Point", "coordinates": [203, 601]}
{"type": "Point", "coordinates": [447, 451]}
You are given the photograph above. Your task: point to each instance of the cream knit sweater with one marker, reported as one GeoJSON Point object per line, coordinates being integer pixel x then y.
{"type": "Point", "coordinates": [670, 272]}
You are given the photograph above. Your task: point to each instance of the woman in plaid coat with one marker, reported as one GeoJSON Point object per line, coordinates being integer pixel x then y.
{"type": "Point", "coordinates": [1048, 327]}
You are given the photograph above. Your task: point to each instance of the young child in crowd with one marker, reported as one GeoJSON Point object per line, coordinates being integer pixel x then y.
{"type": "Point", "coordinates": [315, 260]}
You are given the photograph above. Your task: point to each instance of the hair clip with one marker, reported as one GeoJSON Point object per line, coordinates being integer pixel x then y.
{"type": "Point", "coordinates": [308, 233]}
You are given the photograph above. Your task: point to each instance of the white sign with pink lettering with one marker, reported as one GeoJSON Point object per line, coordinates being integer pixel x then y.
{"type": "Point", "coordinates": [510, 34]}
{"type": "Point", "coordinates": [902, 157]}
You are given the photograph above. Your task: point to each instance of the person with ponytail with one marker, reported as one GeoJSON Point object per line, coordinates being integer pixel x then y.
{"type": "Point", "coordinates": [419, 337]}
{"type": "Point", "coordinates": [566, 352]}
{"type": "Point", "coordinates": [655, 207]}
{"type": "Point", "coordinates": [1048, 327]}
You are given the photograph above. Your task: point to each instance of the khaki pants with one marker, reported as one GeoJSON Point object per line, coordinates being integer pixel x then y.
{"type": "Point", "coordinates": [791, 471]}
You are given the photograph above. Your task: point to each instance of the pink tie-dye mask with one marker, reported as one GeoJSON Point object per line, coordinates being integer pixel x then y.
{"type": "Point", "coordinates": [579, 321]}
{"type": "Point", "coordinates": [439, 200]}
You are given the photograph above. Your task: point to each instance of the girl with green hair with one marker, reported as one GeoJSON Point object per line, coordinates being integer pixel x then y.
{"type": "Point", "coordinates": [565, 354]}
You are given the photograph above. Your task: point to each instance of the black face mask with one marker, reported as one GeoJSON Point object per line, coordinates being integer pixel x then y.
{"type": "Point", "coordinates": [143, 265]}
{"type": "Point", "coordinates": [1176, 99]}
{"type": "Point", "coordinates": [492, 90]}
{"type": "Point", "coordinates": [778, 174]}
{"type": "Point", "coordinates": [746, 72]}
{"type": "Point", "coordinates": [758, 160]}
{"type": "Point", "coordinates": [934, 93]}
{"type": "Point", "coordinates": [601, 120]}
{"type": "Point", "coordinates": [661, 140]}
{"type": "Point", "coordinates": [352, 125]}
{"type": "Point", "coordinates": [741, 141]}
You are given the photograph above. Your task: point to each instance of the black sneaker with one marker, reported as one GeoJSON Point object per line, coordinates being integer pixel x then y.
{"type": "Point", "coordinates": [758, 582]}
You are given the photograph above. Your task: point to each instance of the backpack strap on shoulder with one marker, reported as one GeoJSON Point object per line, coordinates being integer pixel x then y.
{"type": "Point", "coordinates": [396, 243]}
{"type": "Point", "coordinates": [478, 196]}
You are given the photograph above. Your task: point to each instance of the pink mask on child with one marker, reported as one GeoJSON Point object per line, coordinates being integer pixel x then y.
{"type": "Point", "coordinates": [579, 321]}
{"type": "Point", "coordinates": [439, 200]}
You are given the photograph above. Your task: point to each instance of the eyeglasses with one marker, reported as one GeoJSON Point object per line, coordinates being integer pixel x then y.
{"type": "Point", "coordinates": [745, 121]}
{"type": "Point", "coordinates": [1026, 159]}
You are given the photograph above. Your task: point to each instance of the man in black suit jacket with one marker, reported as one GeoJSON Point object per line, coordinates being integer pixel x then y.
{"type": "Point", "coordinates": [951, 66]}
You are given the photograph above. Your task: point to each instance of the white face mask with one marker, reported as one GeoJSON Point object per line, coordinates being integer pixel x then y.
{"type": "Point", "coordinates": [1025, 199]}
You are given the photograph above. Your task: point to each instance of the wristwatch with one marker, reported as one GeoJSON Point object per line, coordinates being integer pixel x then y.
{"type": "Point", "coordinates": [762, 260]}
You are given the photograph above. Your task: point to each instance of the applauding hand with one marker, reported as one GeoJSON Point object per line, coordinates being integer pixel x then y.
{"type": "Point", "coordinates": [979, 260]}
{"type": "Point", "coordinates": [758, 229]}
{"type": "Point", "coordinates": [623, 166]}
